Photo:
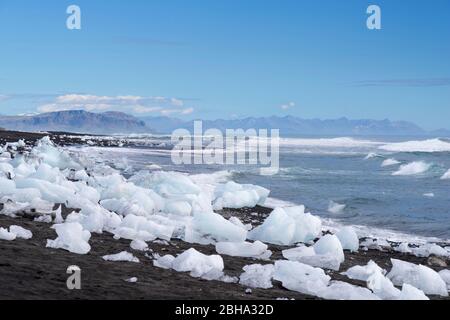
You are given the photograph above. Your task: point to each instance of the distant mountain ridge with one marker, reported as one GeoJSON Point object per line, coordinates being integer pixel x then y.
{"type": "Point", "coordinates": [290, 125]}
{"type": "Point", "coordinates": [117, 122]}
{"type": "Point", "coordinates": [76, 121]}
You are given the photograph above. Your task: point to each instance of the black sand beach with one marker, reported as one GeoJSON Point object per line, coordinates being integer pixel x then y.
{"type": "Point", "coordinates": [29, 270]}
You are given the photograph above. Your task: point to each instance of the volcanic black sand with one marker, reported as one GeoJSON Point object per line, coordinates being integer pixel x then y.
{"type": "Point", "coordinates": [29, 270]}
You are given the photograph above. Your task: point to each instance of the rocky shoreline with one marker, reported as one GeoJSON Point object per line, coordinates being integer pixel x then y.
{"type": "Point", "coordinates": [29, 270]}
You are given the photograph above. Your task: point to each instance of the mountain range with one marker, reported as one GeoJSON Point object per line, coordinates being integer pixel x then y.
{"type": "Point", "coordinates": [76, 121]}
{"type": "Point", "coordinates": [117, 122]}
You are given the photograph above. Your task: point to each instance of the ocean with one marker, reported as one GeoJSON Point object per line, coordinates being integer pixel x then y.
{"type": "Point", "coordinates": [406, 196]}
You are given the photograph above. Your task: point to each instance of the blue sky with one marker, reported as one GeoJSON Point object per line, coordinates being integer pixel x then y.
{"type": "Point", "coordinates": [229, 58]}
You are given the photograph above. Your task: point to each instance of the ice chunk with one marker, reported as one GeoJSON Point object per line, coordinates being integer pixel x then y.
{"type": "Point", "coordinates": [20, 232]}
{"type": "Point", "coordinates": [71, 237]}
{"type": "Point", "coordinates": [309, 256]}
{"type": "Point", "coordinates": [295, 254]}
{"type": "Point", "coordinates": [256, 250]}
{"type": "Point", "coordinates": [363, 273]}
{"type": "Point", "coordinates": [7, 170]}
{"type": "Point", "coordinates": [286, 226]}
{"type": "Point", "coordinates": [326, 253]}
{"type": "Point", "coordinates": [7, 186]}
{"type": "Point", "coordinates": [180, 208]}
{"type": "Point", "coordinates": [335, 207]}
{"type": "Point", "coordinates": [139, 245]}
{"type": "Point", "coordinates": [300, 277]}
{"type": "Point", "coordinates": [123, 256]}
{"type": "Point", "coordinates": [403, 248]}
{"type": "Point", "coordinates": [278, 228]}
{"type": "Point", "coordinates": [239, 223]}
{"type": "Point", "coordinates": [7, 235]}
{"type": "Point", "coordinates": [348, 238]}
{"type": "Point", "coordinates": [198, 264]}
{"type": "Point", "coordinates": [164, 262]}
{"type": "Point", "coordinates": [81, 175]}
{"type": "Point", "coordinates": [54, 156]}
{"type": "Point", "coordinates": [430, 249]}
{"type": "Point", "coordinates": [140, 228]}
{"type": "Point", "coordinates": [215, 226]}
{"type": "Point", "coordinates": [339, 290]}
{"type": "Point", "coordinates": [411, 293]}
{"type": "Point", "coordinates": [445, 275]}
{"type": "Point", "coordinates": [235, 196]}
{"type": "Point", "coordinates": [331, 246]}
{"type": "Point", "coordinates": [413, 168]}
{"type": "Point", "coordinates": [418, 276]}
{"type": "Point", "coordinates": [382, 286]}
{"type": "Point", "coordinates": [257, 276]}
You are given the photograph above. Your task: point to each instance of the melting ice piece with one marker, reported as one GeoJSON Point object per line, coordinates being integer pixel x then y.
{"type": "Point", "coordinates": [300, 277]}
{"type": "Point", "coordinates": [256, 249]}
{"type": "Point", "coordinates": [20, 232]}
{"type": "Point", "coordinates": [287, 226]}
{"type": "Point", "coordinates": [123, 256]}
{"type": "Point", "coordinates": [309, 256]}
{"type": "Point", "coordinates": [235, 196]}
{"type": "Point", "coordinates": [411, 293]}
{"type": "Point", "coordinates": [445, 275]}
{"type": "Point", "coordinates": [198, 264]}
{"type": "Point", "coordinates": [429, 249]}
{"type": "Point", "coordinates": [71, 237]}
{"type": "Point", "coordinates": [419, 276]}
{"type": "Point", "coordinates": [339, 290]}
{"type": "Point", "coordinates": [331, 246]}
{"type": "Point", "coordinates": [403, 248]}
{"type": "Point", "coordinates": [7, 235]}
{"type": "Point", "coordinates": [257, 276]}
{"type": "Point", "coordinates": [139, 245]}
{"type": "Point", "coordinates": [363, 273]}
{"type": "Point", "coordinates": [335, 207]}
{"type": "Point", "coordinates": [348, 238]}
{"type": "Point", "coordinates": [214, 225]}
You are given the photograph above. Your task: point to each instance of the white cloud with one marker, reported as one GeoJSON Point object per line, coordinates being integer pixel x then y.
{"type": "Point", "coordinates": [287, 106]}
{"type": "Point", "coordinates": [129, 104]}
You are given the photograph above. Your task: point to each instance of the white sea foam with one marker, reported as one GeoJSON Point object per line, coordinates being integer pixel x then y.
{"type": "Point", "coordinates": [431, 145]}
{"type": "Point", "coordinates": [343, 142]}
{"type": "Point", "coordinates": [335, 207]}
{"type": "Point", "coordinates": [413, 168]}
{"type": "Point", "coordinates": [446, 175]}
{"type": "Point", "coordinates": [390, 162]}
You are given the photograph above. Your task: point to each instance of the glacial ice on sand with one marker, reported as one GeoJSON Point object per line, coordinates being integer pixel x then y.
{"type": "Point", "coordinates": [348, 238]}
{"type": "Point", "coordinates": [257, 249]}
{"type": "Point", "coordinates": [198, 264]}
{"type": "Point", "coordinates": [419, 276]}
{"type": "Point", "coordinates": [257, 276]}
{"type": "Point", "coordinates": [123, 256]}
{"type": "Point", "coordinates": [71, 237]}
{"type": "Point", "coordinates": [287, 226]}
{"type": "Point", "coordinates": [296, 276]}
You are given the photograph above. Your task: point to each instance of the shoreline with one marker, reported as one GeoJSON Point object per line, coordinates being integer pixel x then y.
{"type": "Point", "coordinates": [29, 270]}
